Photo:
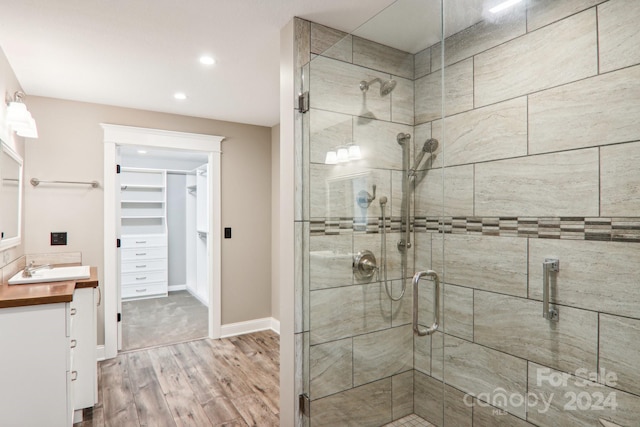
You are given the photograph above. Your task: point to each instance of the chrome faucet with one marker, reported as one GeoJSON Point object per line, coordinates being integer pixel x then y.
{"type": "Point", "coordinates": [28, 271]}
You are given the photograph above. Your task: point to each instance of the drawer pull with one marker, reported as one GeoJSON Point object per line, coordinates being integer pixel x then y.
{"type": "Point", "coordinates": [141, 290]}
{"type": "Point", "coordinates": [74, 375]}
{"type": "Point", "coordinates": [73, 311]}
{"type": "Point", "coordinates": [141, 278]}
{"type": "Point", "coordinates": [141, 254]}
{"type": "Point", "coordinates": [141, 266]}
{"type": "Point", "coordinates": [74, 343]}
{"type": "Point", "coordinates": [141, 241]}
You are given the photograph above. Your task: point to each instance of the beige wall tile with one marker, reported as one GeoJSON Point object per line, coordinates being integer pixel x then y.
{"type": "Point", "coordinates": [428, 399]}
{"type": "Point", "coordinates": [382, 354]}
{"type": "Point", "coordinates": [457, 412]}
{"type": "Point", "coordinates": [378, 143]}
{"type": "Point", "coordinates": [402, 101]}
{"type": "Point", "coordinates": [335, 86]}
{"type": "Point", "coordinates": [437, 355]}
{"type": "Point", "coordinates": [601, 276]}
{"type": "Point", "coordinates": [544, 12]}
{"type": "Point", "coordinates": [330, 261]}
{"type": "Point", "coordinates": [422, 247]}
{"type": "Point", "coordinates": [328, 131]}
{"type": "Point", "coordinates": [497, 264]}
{"type": "Point", "coordinates": [302, 36]}
{"type": "Point", "coordinates": [55, 258]}
{"type": "Point", "coordinates": [489, 416]}
{"type": "Point", "coordinates": [382, 58]}
{"type": "Point", "coordinates": [458, 311]}
{"type": "Point", "coordinates": [402, 392]}
{"type": "Point", "coordinates": [422, 63]}
{"type": "Point", "coordinates": [401, 311]}
{"type": "Point", "coordinates": [331, 368]}
{"type": "Point", "coordinates": [331, 43]}
{"type": "Point", "coordinates": [584, 113]}
{"type": "Point", "coordinates": [344, 312]}
{"type": "Point", "coordinates": [476, 369]}
{"type": "Point", "coordinates": [394, 258]}
{"type": "Point", "coordinates": [458, 192]}
{"type": "Point", "coordinates": [422, 354]}
{"type": "Point", "coordinates": [619, 180]}
{"type": "Point", "coordinates": [495, 132]}
{"type": "Point", "coordinates": [619, 349]}
{"type": "Point", "coordinates": [558, 184]}
{"type": "Point", "coordinates": [565, 410]}
{"type": "Point", "coordinates": [458, 92]}
{"type": "Point", "coordinates": [483, 35]}
{"type": "Point", "coordinates": [619, 34]}
{"type": "Point", "coordinates": [516, 326]}
{"type": "Point", "coordinates": [560, 53]}
{"type": "Point", "coordinates": [334, 190]}
{"type": "Point", "coordinates": [367, 406]}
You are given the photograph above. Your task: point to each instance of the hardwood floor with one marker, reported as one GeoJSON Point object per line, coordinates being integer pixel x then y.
{"type": "Point", "coordinates": [227, 382]}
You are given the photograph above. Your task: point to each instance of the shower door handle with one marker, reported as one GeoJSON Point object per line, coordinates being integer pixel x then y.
{"type": "Point", "coordinates": [549, 265]}
{"type": "Point", "coordinates": [436, 303]}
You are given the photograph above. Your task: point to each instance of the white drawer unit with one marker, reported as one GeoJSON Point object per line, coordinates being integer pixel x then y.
{"type": "Point", "coordinates": [142, 265]}
{"type": "Point", "coordinates": [144, 290]}
{"type": "Point", "coordinates": [143, 242]}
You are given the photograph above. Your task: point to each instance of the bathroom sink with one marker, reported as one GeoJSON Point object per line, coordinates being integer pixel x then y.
{"type": "Point", "coordinates": [56, 274]}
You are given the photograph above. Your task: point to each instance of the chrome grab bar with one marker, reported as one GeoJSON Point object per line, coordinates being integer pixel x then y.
{"type": "Point", "coordinates": [436, 303]}
{"type": "Point", "coordinates": [549, 265]}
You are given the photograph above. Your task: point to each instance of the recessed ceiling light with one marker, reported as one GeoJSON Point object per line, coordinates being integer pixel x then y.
{"type": "Point", "coordinates": [207, 60]}
{"type": "Point", "coordinates": [142, 151]}
{"type": "Point", "coordinates": [180, 95]}
{"type": "Point", "coordinates": [503, 5]}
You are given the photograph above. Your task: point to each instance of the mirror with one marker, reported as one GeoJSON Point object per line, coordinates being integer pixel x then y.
{"type": "Point", "coordinates": [10, 196]}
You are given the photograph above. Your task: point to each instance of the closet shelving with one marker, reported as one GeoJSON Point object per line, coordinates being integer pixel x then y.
{"type": "Point", "coordinates": [143, 216]}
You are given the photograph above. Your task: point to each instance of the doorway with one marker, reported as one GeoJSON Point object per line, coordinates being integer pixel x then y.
{"type": "Point", "coordinates": [116, 137]}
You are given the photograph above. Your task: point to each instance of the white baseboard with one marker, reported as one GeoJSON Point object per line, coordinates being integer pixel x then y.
{"type": "Point", "coordinates": [100, 354]}
{"type": "Point", "coordinates": [249, 326]}
{"type": "Point", "coordinates": [174, 288]}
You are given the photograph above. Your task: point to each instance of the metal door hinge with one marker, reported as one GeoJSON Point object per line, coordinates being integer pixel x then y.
{"type": "Point", "coordinates": [119, 317]}
{"type": "Point", "coordinates": [303, 102]}
{"type": "Point", "coordinates": [117, 168]}
{"type": "Point", "coordinates": [118, 243]}
{"type": "Point", "coordinates": [305, 404]}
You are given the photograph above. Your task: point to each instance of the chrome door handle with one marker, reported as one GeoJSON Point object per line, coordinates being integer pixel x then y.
{"type": "Point", "coordinates": [436, 303]}
{"type": "Point", "coordinates": [549, 265]}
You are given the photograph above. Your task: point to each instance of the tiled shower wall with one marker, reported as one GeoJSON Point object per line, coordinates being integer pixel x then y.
{"type": "Point", "coordinates": [541, 151]}
{"type": "Point", "coordinates": [360, 343]}
{"type": "Point", "coordinates": [541, 146]}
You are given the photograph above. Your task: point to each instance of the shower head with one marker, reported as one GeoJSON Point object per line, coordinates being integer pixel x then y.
{"type": "Point", "coordinates": [386, 87]}
{"type": "Point", "coordinates": [429, 146]}
{"type": "Point", "coordinates": [403, 137]}
{"type": "Point", "coordinates": [383, 200]}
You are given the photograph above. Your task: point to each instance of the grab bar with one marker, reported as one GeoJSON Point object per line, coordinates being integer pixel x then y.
{"type": "Point", "coordinates": [436, 303]}
{"type": "Point", "coordinates": [549, 265]}
{"type": "Point", "coordinates": [35, 182]}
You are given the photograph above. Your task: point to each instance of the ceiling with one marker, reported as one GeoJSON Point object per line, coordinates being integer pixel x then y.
{"type": "Point", "coordinates": [138, 53]}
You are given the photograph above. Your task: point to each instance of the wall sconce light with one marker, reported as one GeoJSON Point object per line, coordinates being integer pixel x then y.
{"type": "Point", "coordinates": [343, 154]}
{"type": "Point", "coordinates": [19, 118]}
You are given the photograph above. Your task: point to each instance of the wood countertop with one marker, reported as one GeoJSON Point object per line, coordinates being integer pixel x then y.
{"type": "Point", "coordinates": [44, 293]}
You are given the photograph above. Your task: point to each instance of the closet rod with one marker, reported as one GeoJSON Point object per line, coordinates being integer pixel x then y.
{"type": "Point", "coordinates": [35, 182]}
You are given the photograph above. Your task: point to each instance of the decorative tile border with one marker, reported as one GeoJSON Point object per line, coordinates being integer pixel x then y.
{"type": "Point", "coordinates": [575, 228]}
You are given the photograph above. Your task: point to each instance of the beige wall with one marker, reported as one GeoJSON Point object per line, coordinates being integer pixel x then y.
{"type": "Point", "coordinates": [275, 222]}
{"type": "Point", "coordinates": [8, 86]}
{"type": "Point", "coordinates": [70, 147]}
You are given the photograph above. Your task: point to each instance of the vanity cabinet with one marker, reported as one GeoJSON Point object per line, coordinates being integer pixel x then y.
{"type": "Point", "coordinates": [48, 361]}
{"type": "Point", "coordinates": [143, 215]}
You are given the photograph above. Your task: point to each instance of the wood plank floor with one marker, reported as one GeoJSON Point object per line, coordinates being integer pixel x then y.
{"type": "Point", "coordinates": [227, 382]}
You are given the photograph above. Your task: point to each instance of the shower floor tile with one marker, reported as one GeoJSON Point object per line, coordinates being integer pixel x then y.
{"type": "Point", "coordinates": [410, 421]}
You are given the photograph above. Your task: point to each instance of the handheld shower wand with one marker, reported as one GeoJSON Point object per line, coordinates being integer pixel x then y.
{"type": "Point", "coordinates": [383, 261]}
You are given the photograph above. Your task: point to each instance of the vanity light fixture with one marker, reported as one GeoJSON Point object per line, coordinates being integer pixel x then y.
{"type": "Point", "coordinates": [19, 118]}
{"type": "Point", "coordinates": [331, 158]}
{"type": "Point", "coordinates": [503, 5]}
{"type": "Point", "coordinates": [354, 152]}
{"type": "Point", "coordinates": [180, 96]}
{"type": "Point", "coordinates": [207, 60]}
{"type": "Point", "coordinates": [343, 155]}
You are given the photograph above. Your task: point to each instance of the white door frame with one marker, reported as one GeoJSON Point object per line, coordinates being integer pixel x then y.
{"type": "Point", "coordinates": [115, 135]}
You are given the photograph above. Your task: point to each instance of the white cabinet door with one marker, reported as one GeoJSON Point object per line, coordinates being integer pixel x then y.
{"type": "Point", "coordinates": [84, 341]}
{"type": "Point", "coordinates": [33, 359]}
